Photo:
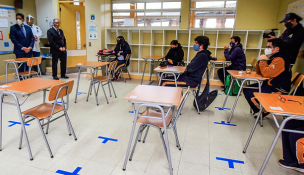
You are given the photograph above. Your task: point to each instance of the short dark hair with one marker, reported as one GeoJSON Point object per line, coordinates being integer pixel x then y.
{"type": "Point", "coordinates": [20, 14]}
{"type": "Point", "coordinates": [277, 42]}
{"type": "Point", "coordinates": [175, 42]}
{"type": "Point", "coordinates": [295, 16]}
{"type": "Point", "coordinates": [202, 40]}
{"type": "Point", "coordinates": [236, 39]}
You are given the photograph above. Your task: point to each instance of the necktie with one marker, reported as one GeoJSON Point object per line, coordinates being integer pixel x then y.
{"type": "Point", "coordinates": [23, 30]}
{"type": "Point", "coordinates": [58, 32]}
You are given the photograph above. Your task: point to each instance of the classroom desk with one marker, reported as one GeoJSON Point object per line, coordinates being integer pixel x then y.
{"type": "Point", "coordinates": [158, 96]}
{"type": "Point", "coordinates": [235, 74]}
{"type": "Point", "coordinates": [104, 58]}
{"type": "Point", "coordinates": [174, 70]}
{"type": "Point", "coordinates": [153, 62]}
{"type": "Point", "coordinates": [224, 62]}
{"type": "Point", "coordinates": [93, 66]}
{"type": "Point", "coordinates": [25, 88]}
{"type": "Point", "coordinates": [293, 111]}
{"type": "Point", "coordinates": [17, 61]}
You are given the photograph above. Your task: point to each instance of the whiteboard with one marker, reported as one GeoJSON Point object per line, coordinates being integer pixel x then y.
{"type": "Point", "coordinates": [7, 19]}
{"type": "Point", "coordinates": [297, 7]}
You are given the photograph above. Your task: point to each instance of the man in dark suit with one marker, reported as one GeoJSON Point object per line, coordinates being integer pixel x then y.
{"type": "Point", "coordinates": [58, 49]}
{"type": "Point", "coordinates": [23, 39]}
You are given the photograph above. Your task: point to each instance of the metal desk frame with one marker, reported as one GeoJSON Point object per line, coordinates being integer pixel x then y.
{"type": "Point", "coordinates": [153, 62]}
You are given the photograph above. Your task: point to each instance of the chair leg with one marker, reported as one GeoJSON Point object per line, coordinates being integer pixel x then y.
{"type": "Point", "coordinates": [109, 88]}
{"type": "Point", "coordinates": [129, 74]}
{"type": "Point", "coordinates": [162, 138]}
{"type": "Point", "coordinates": [196, 102]}
{"type": "Point", "coordinates": [70, 124]}
{"type": "Point", "coordinates": [113, 89]}
{"type": "Point", "coordinates": [46, 142]}
{"type": "Point", "coordinates": [121, 72]}
{"type": "Point", "coordinates": [98, 87]}
{"type": "Point", "coordinates": [105, 94]}
{"type": "Point", "coordinates": [89, 91]}
{"type": "Point", "coordinates": [47, 128]}
{"type": "Point", "coordinates": [21, 136]}
{"type": "Point", "coordinates": [146, 134]}
{"type": "Point", "coordinates": [176, 138]}
{"type": "Point", "coordinates": [138, 133]}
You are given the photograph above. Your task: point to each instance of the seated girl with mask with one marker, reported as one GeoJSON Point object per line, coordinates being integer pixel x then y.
{"type": "Point", "coordinates": [122, 49]}
{"type": "Point", "coordinates": [276, 68]}
{"type": "Point", "coordinates": [196, 68]}
{"type": "Point", "coordinates": [175, 54]}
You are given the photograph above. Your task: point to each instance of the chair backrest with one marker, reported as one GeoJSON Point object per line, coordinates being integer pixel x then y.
{"type": "Point", "coordinates": [296, 80]}
{"type": "Point", "coordinates": [253, 63]}
{"type": "Point", "coordinates": [112, 66]}
{"type": "Point", "coordinates": [63, 91]}
{"type": "Point", "coordinates": [34, 61]}
{"type": "Point", "coordinates": [183, 98]}
{"type": "Point", "coordinates": [128, 56]}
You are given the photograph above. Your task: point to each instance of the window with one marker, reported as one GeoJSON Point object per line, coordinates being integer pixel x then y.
{"type": "Point", "coordinates": [212, 13]}
{"type": "Point", "coordinates": [146, 14]}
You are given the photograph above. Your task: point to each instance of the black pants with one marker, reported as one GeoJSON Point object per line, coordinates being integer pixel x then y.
{"type": "Point", "coordinates": [289, 140]}
{"type": "Point", "coordinates": [220, 73]}
{"type": "Point", "coordinates": [248, 93]}
{"type": "Point", "coordinates": [63, 59]}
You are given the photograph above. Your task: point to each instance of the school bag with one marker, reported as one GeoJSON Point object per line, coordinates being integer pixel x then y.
{"type": "Point", "coordinates": [206, 98]}
{"type": "Point", "coordinates": [235, 87]}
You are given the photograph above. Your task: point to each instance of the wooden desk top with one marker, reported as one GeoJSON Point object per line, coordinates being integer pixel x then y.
{"type": "Point", "coordinates": [153, 57]}
{"type": "Point", "coordinates": [289, 107]}
{"type": "Point", "coordinates": [176, 69]}
{"type": "Point", "coordinates": [155, 94]}
{"type": "Point", "coordinates": [253, 75]}
{"type": "Point", "coordinates": [92, 64]}
{"type": "Point", "coordinates": [18, 60]}
{"type": "Point", "coordinates": [30, 86]}
{"type": "Point", "coordinates": [220, 60]}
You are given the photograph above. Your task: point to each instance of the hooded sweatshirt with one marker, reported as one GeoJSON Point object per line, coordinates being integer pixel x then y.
{"type": "Point", "coordinates": [237, 57]}
{"type": "Point", "coordinates": [176, 55]}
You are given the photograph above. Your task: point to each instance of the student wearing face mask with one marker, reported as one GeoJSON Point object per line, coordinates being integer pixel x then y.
{"type": "Point", "coordinates": [23, 39]}
{"type": "Point", "coordinates": [275, 66]}
{"type": "Point", "coordinates": [293, 36]}
{"type": "Point", "coordinates": [122, 49]}
{"type": "Point", "coordinates": [196, 68]}
{"type": "Point", "coordinates": [176, 54]}
{"type": "Point", "coordinates": [236, 55]}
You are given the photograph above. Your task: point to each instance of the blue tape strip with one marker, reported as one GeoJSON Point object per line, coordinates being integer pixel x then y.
{"type": "Point", "coordinates": [7, 8]}
{"type": "Point", "coordinates": [61, 102]}
{"type": "Point", "coordinates": [223, 123]}
{"type": "Point", "coordinates": [75, 172]}
{"type": "Point", "coordinates": [230, 161]}
{"type": "Point", "coordinates": [79, 93]}
{"type": "Point", "coordinates": [15, 123]}
{"type": "Point", "coordinates": [219, 108]}
{"type": "Point", "coordinates": [107, 139]}
{"type": "Point", "coordinates": [151, 82]}
{"type": "Point", "coordinates": [11, 23]}
{"type": "Point", "coordinates": [133, 112]}
{"type": "Point", "coordinates": [6, 51]}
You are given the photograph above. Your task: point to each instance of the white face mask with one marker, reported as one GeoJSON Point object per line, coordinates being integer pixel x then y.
{"type": "Point", "coordinates": [19, 22]}
{"type": "Point", "coordinates": [268, 51]}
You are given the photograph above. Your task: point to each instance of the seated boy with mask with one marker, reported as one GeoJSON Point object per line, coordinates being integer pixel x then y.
{"type": "Point", "coordinates": [276, 67]}
{"type": "Point", "coordinates": [196, 68]}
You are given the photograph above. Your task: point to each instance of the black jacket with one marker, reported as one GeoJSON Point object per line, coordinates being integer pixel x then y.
{"type": "Point", "coordinates": [176, 55]}
{"type": "Point", "coordinates": [293, 39]}
{"type": "Point", "coordinates": [237, 57]}
{"type": "Point", "coordinates": [56, 41]}
{"type": "Point", "coordinates": [195, 69]}
{"type": "Point", "coordinates": [125, 49]}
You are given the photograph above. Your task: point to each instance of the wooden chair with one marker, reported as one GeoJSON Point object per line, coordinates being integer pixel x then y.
{"type": "Point", "coordinates": [119, 68]}
{"type": "Point", "coordinates": [296, 82]}
{"type": "Point", "coordinates": [104, 80]}
{"type": "Point", "coordinates": [153, 118]}
{"type": "Point", "coordinates": [35, 61]}
{"type": "Point", "coordinates": [45, 111]}
{"type": "Point", "coordinates": [253, 63]}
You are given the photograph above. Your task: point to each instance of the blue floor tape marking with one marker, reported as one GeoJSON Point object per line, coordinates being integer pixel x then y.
{"type": "Point", "coordinates": [107, 139]}
{"type": "Point", "coordinates": [79, 93]}
{"type": "Point", "coordinates": [61, 102]}
{"type": "Point", "coordinates": [15, 123]}
{"type": "Point", "coordinates": [230, 161]}
{"type": "Point", "coordinates": [223, 123]}
{"type": "Point", "coordinates": [219, 108]}
{"type": "Point", "coordinates": [133, 112]}
{"type": "Point", "coordinates": [76, 171]}
{"type": "Point", "coordinates": [151, 82]}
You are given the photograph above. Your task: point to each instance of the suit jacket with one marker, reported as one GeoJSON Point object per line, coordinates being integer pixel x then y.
{"type": "Point", "coordinates": [56, 41]}
{"type": "Point", "coordinates": [19, 40]}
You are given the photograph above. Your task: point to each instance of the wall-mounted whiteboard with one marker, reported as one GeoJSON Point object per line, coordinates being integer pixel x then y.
{"type": "Point", "coordinates": [298, 8]}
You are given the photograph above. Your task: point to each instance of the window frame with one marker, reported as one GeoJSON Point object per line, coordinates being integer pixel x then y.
{"type": "Point", "coordinates": [208, 16]}
{"type": "Point", "coordinates": [144, 17]}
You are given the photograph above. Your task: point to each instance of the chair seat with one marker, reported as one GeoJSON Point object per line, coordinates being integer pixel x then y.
{"type": "Point", "coordinates": [27, 72]}
{"type": "Point", "coordinates": [100, 78]}
{"type": "Point", "coordinates": [43, 111]}
{"type": "Point", "coordinates": [153, 121]}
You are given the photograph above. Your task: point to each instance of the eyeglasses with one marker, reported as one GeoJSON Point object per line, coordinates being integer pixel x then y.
{"type": "Point", "coordinates": [282, 99]}
{"type": "Point", "coordinates": [57, 22]}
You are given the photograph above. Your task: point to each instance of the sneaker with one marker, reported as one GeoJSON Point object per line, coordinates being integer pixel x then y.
{"type": "Point", "coordinates": [293, 166]}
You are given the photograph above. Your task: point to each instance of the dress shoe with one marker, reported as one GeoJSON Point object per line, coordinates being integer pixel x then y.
{"type": "Point", "coordinates": [55, 78]}
{"type": "Point", "coordinates": [66, 77]}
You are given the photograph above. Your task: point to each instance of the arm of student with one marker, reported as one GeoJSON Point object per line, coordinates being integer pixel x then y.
{"type": "Point", "coordinates": [257, 68]}
{"type": "Point", "coordinates": [196, 64]}
{"type": "Point", "coordinates": [231, 56]}
{"type": "Point", "coordinates": [126, 51]}
{"type": "Point", "coordinates": [179, 57]}
{"type": "Point", "coordinates": [276, 67]}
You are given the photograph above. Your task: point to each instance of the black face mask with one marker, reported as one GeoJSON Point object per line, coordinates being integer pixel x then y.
{"type": "Point", "coordinates": [288, 25]}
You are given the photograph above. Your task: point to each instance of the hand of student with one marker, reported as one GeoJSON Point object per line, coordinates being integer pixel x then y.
{"type": "Point", "coordinates": [263, 57]}
{"type": "Point", "coordinates": [271, 37]}
{"type": "Point", "coordinates": [118, 54]}
{"type": "Point", "coordinates": [226, 47]}
{"type": "Point", "coordinates": [170, 61]}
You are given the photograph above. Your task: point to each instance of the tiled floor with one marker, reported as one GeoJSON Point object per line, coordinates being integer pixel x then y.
{"type": "Point", "coordinates": [201, 140]}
